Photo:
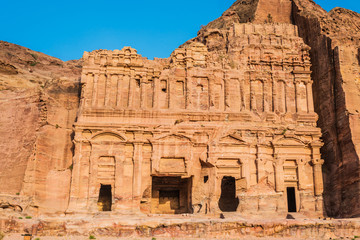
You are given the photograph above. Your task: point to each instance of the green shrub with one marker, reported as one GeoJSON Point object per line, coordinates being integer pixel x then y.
{"type": "Point", "coordinates": [20, 218]}
{"type": "Point", "coordinates": [33, 64]}
{"type": "Point", "coordinates": [28, 217]}
{"type": "Point", "coordinates": [34, 55]}
{"type": "Point", "coordinates": [92, 237]}
{"type": "Point", "coordinates": [2, 235]}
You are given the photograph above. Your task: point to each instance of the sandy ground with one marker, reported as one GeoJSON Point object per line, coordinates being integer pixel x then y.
{"type": "Point", "coordinates": [19, 237]}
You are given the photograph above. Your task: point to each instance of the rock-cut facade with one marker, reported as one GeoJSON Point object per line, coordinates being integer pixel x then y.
{"type": "Point", "coordinates": [206, 131]}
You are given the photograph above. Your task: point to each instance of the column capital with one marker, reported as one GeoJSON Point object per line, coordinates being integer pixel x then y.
{"type": "Point", "coordinates": [300, 161]}
{"type": "Point", "coordinates": [317, 161]}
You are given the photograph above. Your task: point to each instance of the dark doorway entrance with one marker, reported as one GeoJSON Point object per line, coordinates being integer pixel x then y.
{"type": "Point", "coordinates": [105, 197]}
{"type": "Point", "coordinates": [291, 199]}
{"type": "Point", "coordinates": [171, 195]}
{"type": "Point", "coordinates": [228, 201]}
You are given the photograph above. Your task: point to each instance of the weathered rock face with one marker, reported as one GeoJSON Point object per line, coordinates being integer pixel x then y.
{"type": "Point", "coordinates": [228, 120]}
{"type": "Point", "coordinates": [334, 40]}
{"type": "Point", "coordinates": [39, 102]}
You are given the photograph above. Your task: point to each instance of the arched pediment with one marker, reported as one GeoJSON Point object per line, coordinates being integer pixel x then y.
{"type": "Point", "coordinates": [108, 136]}
{"type": "Point", "coordinates": [174, 138]}
{"type": "Point", "coordinates": [289, 141]}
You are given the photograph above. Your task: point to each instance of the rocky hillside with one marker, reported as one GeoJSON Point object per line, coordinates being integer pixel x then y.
{"type": "Point", "coordinates": [39, 98]}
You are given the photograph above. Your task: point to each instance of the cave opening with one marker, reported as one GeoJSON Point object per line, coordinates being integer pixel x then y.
{"type": "Point", "coordinates": [228, 201]}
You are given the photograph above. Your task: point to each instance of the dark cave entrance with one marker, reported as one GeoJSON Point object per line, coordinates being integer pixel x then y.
{"type": "Point", "coordinates": [171, 195]}
{"type": "Point", "coordinates": [105, 198]}
{"type": "Point", "coordinates": [228, 201]}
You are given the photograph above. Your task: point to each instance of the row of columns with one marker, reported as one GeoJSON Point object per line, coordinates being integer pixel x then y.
{"type": "Point", "coordinates": [114, 90]}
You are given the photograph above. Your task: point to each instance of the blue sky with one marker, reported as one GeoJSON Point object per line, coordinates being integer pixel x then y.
{"type": "Point", "coordinates": [65, 29]}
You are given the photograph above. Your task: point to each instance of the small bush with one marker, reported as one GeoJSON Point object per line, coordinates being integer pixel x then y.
{"type": "Point", "coordinates": [17, 193]}
{"type": "Point", "coordinates": [71, 167]}
{"type": "Point", "coordinates": [92, 237]}
{"type": "Point", "coordinates": [33, 64]}
{"type": "Point", "coordinates": [34, 56]}
{"type": "Point", "coordinates": [28, 217]}
{"type": "Point", "coordinates": [153, 238]}
{"type": "Point", "coordinates": [20, 218]}
{"type": "Point", "coordinates": [2, 235]}
{"type": "Point", "coordinates": [37, 238]}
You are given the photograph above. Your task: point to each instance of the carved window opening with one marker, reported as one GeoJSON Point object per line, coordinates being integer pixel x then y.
{"type": "Point", "coordinates": [137, 82]}
{"type": "Point", "coordinates": [105, 198]}
{"type": "Point", "coordinates": [228, 201]}
{"type": "Point", "coordinates": [163, 85]}
{"type": "Point", "coordinates": [171, 195]}
{"type": "Point", "coordinates": [206, 178]}
{"type": "Point", "coordinates": [291, 199]}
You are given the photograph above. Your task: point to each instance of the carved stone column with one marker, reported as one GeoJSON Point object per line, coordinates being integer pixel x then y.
{"type": "Point", "coordinates": [301, 173]}
{"type": "Point", "coordinates": [95, 90]}
{"type": "Point", "coordinates": [297, 96]}
{"type": "Point", "coordinates": [275, 97]}
{"type": "Point", "coordinates": [279, 174]}
{"type": "Point", "coordinates": [108, 80]}
{"type": "Point", "coordinates": [242, 95]}
{"type": "Point", "coordinates": [265, 95]}
{"type": "Point", "coordinates": [137, 173]}
{"type": "Point", "coordinates": [252, 95]}
{"type": "Point", "coordinates": [142, 95]}
{"type": "Point", "coordinates": [309, 95]}
{"type": "Point", "coordinates": [80, 177]}
{"type": "Point", "coordinates": [260, 168]}
{"type": "Point", "coordinates": [318, 180]}
{"type": "Point", "coordinates": [119, 173]}
{"type": "Point", "coordinates": [245, 172]}
{"type": "Point", "coordinates": [156, 93]}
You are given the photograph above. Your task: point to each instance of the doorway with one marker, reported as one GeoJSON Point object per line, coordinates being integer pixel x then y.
{"type": "Point", "coordinates": [228, 201]}
{"type": "Point", "coordinates": [291, 199]}
{"type": "Point", "coordinates": [171, 195]}
{"type": "Point", "coordinates": [105, 198]}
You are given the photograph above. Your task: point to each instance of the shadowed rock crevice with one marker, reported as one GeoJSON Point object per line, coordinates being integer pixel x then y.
{"type": "Point", "coordinates": [334, 42]}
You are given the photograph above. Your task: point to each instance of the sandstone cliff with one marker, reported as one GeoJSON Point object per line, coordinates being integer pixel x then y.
{"type": "Point", "coordinates": [334, 38]}
{"type": "Point", "coordinates": [39, 99]}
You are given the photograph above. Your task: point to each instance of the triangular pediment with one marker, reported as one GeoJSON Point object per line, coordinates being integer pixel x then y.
{"type": "Point", "coordinates": [232, 139]}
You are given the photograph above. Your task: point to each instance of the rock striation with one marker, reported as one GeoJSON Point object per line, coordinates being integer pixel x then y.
{"type": "Point", "coordinates": [39, 101]}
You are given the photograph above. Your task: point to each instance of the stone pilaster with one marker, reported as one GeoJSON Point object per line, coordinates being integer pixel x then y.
{"type": "Point", "coordinates": [318, 180]}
